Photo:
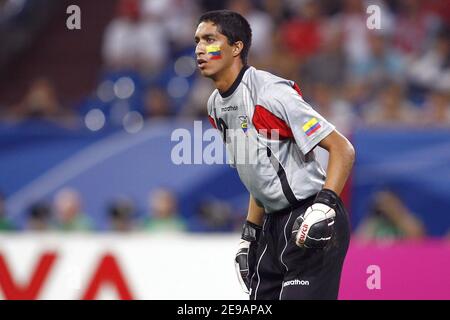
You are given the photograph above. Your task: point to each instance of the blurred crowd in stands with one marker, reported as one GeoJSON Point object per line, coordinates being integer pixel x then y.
{"type": "Point", "coordinates": [398, 75]}
{"type": "Point", "coordinates": [64, 212]}
{"type": "Point", "coordinates": [388, 217]}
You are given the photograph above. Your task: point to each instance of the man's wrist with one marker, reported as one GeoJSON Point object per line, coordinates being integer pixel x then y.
{"type": "Point", "coordinates": [328, 197]}
{"type": "Point", "coordinates": [251, 231]}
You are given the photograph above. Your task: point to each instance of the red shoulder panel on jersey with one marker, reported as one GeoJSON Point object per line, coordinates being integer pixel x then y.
{"type": "Point", "coordinates": [211, 120]}
{"type": "Point", "coordinates": [297, 88]}
{"type": "Point", "coordinates": [265, 121]}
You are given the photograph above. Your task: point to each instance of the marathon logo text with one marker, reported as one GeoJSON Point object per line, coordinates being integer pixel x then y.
{"type": "Point", "coordinates": [296, 282]}
{"type": "Point", "coordinates": [229, 108]}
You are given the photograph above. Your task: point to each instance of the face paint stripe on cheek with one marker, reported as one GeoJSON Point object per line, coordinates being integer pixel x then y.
{"type": "Point", "coordinates": [214, 52]}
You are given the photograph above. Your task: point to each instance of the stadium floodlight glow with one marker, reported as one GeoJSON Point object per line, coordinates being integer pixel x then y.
{"type": "Point", "coordinates": [124, 88]}
{"type": "Point", "coordinates": [105, 91]}
{"type": "Point", "coordinates": [185, 66]}
{"type": "Point", "coordinates": [133, 122]}
{"type": "Point", "coordinates": [95, 119]}
{"type": "Point", "coordinates": [178, 87]}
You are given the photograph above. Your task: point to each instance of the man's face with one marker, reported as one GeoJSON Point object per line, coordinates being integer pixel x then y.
{"type": "Point", "coordinates": [213, 52]}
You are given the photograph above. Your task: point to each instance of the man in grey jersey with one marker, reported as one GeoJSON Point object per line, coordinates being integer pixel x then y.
{"type": "Point", "coordinates": [296, 235]}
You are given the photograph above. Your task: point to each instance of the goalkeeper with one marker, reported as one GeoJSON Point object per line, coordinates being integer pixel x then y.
{"type": "Point", "coordinates": [296, 236]}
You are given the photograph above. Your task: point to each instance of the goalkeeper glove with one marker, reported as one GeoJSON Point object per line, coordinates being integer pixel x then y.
{"type": "Point", "coordinates": [246, 256]}
{"type": "Point", "coordinates": [314, 228]}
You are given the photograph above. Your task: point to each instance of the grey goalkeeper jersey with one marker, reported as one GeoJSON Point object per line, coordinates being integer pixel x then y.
{"type": "Point", "coordinates": [270, 131]}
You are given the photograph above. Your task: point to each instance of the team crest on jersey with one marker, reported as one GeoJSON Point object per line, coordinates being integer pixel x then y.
{"type": "Point", "coordinates": [244, 123]}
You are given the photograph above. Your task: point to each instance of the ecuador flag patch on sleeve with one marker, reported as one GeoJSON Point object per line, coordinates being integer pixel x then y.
{"type": "Point", "coordinates": [311, 126]}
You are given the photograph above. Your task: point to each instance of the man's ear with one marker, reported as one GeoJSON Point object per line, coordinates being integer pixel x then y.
{"type": "Point", "coordinates": [237, 48]}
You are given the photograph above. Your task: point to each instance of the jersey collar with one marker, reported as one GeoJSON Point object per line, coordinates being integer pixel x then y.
{"type": "Point", "coordinates": [235, 84]}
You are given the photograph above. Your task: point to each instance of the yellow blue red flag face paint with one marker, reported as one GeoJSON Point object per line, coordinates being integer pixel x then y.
{"type": "Point", "coordinates": [214, 52]}
{"type": "Point", "coordinates": [311, 126]}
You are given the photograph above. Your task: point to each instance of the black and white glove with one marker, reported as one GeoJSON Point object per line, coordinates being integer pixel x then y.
{"type": "Point", "coordinates": [246, 256]}
{"type": "Point", "coordinates": [314, 228]}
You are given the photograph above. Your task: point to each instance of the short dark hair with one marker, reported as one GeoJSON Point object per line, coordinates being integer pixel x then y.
{"type": "Point", "coordinates": [232, 25]}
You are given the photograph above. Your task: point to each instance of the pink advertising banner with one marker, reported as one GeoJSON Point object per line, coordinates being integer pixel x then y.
{"type": "Point", "coordinates": [398, 270]}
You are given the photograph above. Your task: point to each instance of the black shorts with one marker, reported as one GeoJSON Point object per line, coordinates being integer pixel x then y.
{"type": "Point", "coordinates": [285, 271]}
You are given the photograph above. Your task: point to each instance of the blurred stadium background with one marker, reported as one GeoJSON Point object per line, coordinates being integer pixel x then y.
{"type": "Point", "coordinates": [89, 194]}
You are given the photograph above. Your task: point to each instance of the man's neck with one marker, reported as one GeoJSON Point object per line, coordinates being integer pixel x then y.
{"type": "Point", "coordinates": [225, 80]}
